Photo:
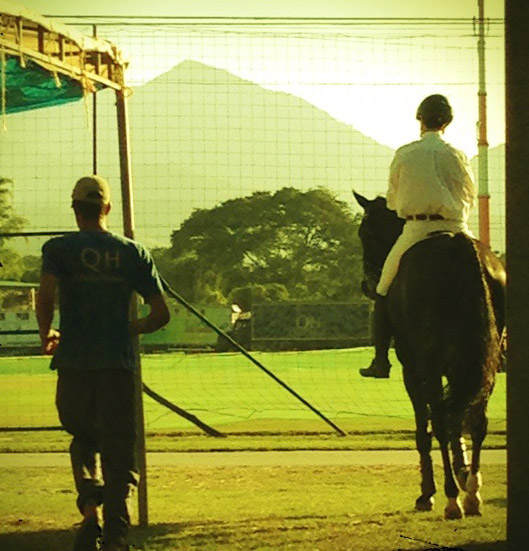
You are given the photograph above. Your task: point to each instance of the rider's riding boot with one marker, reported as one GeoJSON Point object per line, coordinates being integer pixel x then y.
{"type": "Point", "coordinates": [380, 365]}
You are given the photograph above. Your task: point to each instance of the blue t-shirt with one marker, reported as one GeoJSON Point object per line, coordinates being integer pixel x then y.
{"type": "Point", "coordinates": [97, 273]}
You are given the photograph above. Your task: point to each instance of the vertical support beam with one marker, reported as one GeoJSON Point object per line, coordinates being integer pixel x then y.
{"type": "Point", "coordinates": [517, 199]}
{"type": "Point", "coordinates": [62, 57]}
{"type": "Point", "coordinates": [40, 40]}
{"type": "Point", "coordinates": [94, 119]}
{"type": "Point", "coordinates": [128, 226]}
{"type": "Point", "coordinates": [125, 164]}
{"type": "Point", "coordinates": [20, 40]}
{"type": "Point", "coordinates": [483, 145]}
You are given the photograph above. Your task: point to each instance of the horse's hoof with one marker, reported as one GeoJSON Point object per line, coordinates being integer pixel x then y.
{"type": "Point", "coordinates": [472, 505]}
{"type": "Point", "coordinates": [453, 510]}
{"type": "Point", "coordinates": [473, 501]}
{"type": "Point", "coordinates": [424, 503]}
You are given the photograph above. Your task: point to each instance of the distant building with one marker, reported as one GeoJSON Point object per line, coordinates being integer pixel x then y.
{"type": "Point", "coordinates": [18, 322]}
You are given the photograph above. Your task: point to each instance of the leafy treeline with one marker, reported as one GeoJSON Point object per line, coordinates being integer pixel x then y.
{"type": "Point", "coordinates": [287, 245]}
{"type": "Point", "coordinates": [282, 246]}
{"type": "Point", "coordinates": [14, 266]}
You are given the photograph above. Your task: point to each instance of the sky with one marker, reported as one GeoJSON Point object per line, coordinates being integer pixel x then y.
{"type": "Point", "coordinates": [275, 8]}
{"type": "Point", "coordinates": [363, 78]}
{"type": "Point", "coordinates": [371, 77]}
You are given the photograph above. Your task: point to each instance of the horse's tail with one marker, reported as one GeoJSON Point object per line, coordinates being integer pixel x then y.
{"type": "Point", "coordinates": [472, 378]}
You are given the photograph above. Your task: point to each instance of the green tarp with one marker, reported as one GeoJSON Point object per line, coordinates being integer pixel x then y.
{"type": "Point", "coordinates": [33, 87]}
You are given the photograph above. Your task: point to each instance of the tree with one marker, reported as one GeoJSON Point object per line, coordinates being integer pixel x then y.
{"type": "Point", "coordinates": [305, 242]}
{"type": "Point", "coordinates": [9, 222]}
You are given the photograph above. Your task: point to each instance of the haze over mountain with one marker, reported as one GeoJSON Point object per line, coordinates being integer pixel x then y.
{"type": "Point", "coordinates": [199, 136]}
{"type": "Point", "coordinates": [206, 135]}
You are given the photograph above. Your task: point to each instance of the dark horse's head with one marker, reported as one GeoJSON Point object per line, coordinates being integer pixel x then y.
{"type": "Point", "coordinates": [378, 231]}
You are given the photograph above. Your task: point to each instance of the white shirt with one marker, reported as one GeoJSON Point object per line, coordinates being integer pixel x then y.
{"type": "Point", "coordinates": [429, 176]}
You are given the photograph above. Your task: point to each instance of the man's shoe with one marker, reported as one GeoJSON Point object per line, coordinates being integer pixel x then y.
{"type": "Point", "coordinates": [88, 537]}
{"type": "Point", "coordinates": [377, 371]}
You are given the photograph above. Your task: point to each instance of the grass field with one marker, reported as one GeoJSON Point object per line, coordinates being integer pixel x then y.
{"type": "Point", "coordinates": [261, 509]}
{"type": "Point", "coordinates": [228, 392]}
{"type": "Point", "coordinates": [329, 508]}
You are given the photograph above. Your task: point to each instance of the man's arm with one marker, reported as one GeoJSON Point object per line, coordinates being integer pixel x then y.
{"type": "Point", "coordinates": [469, 184]}
{"type": "Point", "coordinates": [459, 177]}
{"type": "Point", "coordinates": [158, 316]}
{"type": "Point", "coordinates": [394, 173]}
{"type": "Point", "coordinates": [45, 308]}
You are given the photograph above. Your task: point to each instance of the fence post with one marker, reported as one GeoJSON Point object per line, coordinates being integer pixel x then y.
{"type": "Point", "coordinates": [517, 226]}
{"type": "Point", "coordinates": [128, 228]}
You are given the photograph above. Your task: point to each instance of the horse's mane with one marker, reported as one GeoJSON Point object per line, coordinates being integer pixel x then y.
{"type": "Point", "coordinates": [379, 230]}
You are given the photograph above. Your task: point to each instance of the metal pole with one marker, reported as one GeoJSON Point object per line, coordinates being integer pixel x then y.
{"type": "Point", "coordinates": [128, 228]}
{"type": "Point", "coordinates": [483, 145]}
{"type": "Point", "coordinates": [245, 353]}
{"type": "Point", "coordinates": [182, 412]}
{"type": "Point", "coordinates": [127, 205]}
{"type": "Point", "coordinates": [94, 120]}
{"type": "Point", "coordinates": [517, 202]}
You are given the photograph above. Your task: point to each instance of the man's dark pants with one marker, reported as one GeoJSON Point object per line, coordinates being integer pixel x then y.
{"type": "Point", "coordinates": [97, 407]}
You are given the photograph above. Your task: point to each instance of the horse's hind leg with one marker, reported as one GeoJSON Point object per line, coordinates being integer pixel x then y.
{"type": "Point", "coordinates": [473, 501]}
{"type": "Point", "coordinates": [453, 509]}
{"type": "Point", "coordinates": [423, 440]}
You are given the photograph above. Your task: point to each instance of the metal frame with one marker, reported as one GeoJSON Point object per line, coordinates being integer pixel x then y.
{"type": "Point", "coordinates": [58, 49]}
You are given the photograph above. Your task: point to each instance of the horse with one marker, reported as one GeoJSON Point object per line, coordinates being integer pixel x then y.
{"type": "Point", "coordinates": [446, 310]}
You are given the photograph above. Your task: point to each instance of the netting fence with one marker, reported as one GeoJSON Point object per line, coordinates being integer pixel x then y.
{"type": "Point", "coordinates": [247, 138]}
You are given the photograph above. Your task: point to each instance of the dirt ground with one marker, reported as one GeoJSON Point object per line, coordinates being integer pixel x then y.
{"type": "Point", "coordinates": [253, 458]}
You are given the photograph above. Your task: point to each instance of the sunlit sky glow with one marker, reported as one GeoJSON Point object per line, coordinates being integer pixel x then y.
{"type": "Point", "coordinates": [371, 77]}
{"type": "Point", "coordinates": [272, 8]}
{"type": "Point", "coordinates": [361, 76]}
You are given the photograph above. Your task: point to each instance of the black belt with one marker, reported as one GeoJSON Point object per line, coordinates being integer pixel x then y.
{"type": "Point", "coordinates": [425, 217]}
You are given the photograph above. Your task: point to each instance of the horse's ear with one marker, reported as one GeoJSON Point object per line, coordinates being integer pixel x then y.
{"type": "Point", "coordinates": [362, 201]}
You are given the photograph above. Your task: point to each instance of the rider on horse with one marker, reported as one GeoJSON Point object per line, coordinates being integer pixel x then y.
{"type": "Point", "coordinates": [431, 187]}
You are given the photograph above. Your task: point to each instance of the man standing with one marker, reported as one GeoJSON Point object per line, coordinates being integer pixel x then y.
{"type": "Point", "coordinates": [431, 186]}
{"type": "Point", "coordinates": [95, 273]}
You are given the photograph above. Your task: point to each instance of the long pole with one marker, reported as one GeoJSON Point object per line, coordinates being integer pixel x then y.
{"type": "Point", "coordinates": [128, 229]}
{"type": "Point", "coordinates": [245, 353]}
{"type": "Point", "coordinates": [517, 201]}
{"type": "Point", "coordinates": [94, 120]}
{"type": "Point", "coordinates": [483, 145]}
{"type": "Point", "coordinates": [179, 411]}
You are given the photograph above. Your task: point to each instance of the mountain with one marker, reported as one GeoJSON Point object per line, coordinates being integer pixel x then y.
{"type": "Point", "coordinates": [215, 136]}
{"type": "Point", "coordinates": [199, 135]}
